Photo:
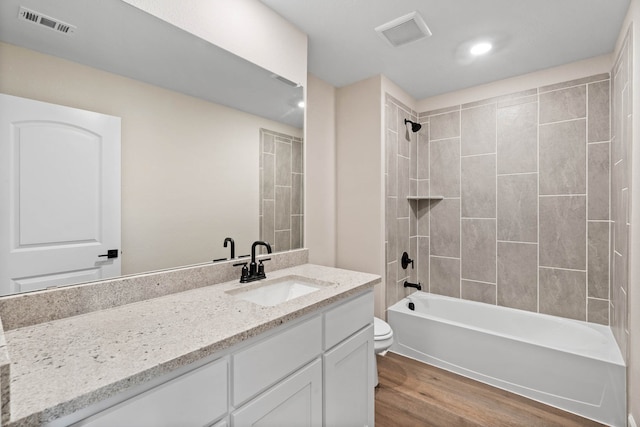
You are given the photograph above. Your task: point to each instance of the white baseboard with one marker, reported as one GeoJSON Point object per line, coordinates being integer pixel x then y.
{"type": "Point", "coordinates": [632, 422]}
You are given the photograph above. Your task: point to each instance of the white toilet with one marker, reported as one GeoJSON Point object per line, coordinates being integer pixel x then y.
{"type": "Point", "coordinates": [382, 340]}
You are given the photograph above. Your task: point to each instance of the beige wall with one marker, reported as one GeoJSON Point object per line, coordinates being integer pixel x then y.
{"type": "Point", "coordinates": [633, 307]}
{"type": "Point", "coordinates": [320, 210]}
{"type": "Point", "coordinates": [246, 28]}
{"type": "Point", "coordinates": [360, 184]}
{"type": "Point", "coordinates": [189, 167]}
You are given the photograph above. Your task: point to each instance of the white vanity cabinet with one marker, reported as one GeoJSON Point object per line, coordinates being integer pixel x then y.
{"type": "Point", "coordinates": [314, 371]}
{"type": "Point", "coordinates": [348, 364]}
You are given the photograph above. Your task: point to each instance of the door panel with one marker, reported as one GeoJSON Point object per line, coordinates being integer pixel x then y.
{"type": "Point", "coordinates": [60, 193]}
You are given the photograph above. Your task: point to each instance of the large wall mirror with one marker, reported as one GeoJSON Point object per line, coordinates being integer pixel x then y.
{"type": "Point", "coordinates": [197, 125]}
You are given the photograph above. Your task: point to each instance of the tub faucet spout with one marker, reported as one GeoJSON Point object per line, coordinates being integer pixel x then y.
{"type": "Point", "coordinates": [418, 286]}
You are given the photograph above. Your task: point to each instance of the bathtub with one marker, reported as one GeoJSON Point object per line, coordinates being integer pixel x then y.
{"type": "Point", "coordinates": [572, 365]}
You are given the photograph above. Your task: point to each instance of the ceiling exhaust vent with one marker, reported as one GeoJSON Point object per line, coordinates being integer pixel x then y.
{"type": "Point", "coordinates": [404, 30]}
{"type": "Point", "coordinates": [46, 21]}
{"type": "Point", "coordinates": [285, 80]}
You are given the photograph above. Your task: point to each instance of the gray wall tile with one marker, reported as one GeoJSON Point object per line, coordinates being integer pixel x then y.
{"type": "Point", "coordinates": [563, 153]}
{"type": "Point", "coordinates": [391, 228]}
{"type": "Point", "coordinates": [478, 237]}
{"type": "Point", "coordinates": [478, 291]}
{"type": "Point", "coordinates": [283, 208]}
{"type": "Point", "coordinates": [391, 284]}
{"type": "Point", "coordinates": [296, 194]}
{"type": "Point", "coordinates": [403, 142]}
{"type": "Point", "coordinates": [576, 82]}
{"type": "Point", "coordinates": [403, 245]}
{"type": "Point", "coordinates": [268, 221]}
{"type": "Point", "coordinates": [563, 232]}
{"type": "Point", "coordinates": [598, 259]}
{"type": "Point", "coordinates": [444, 125]}
{"type": "Point", "coordinates": [297, 165]}
{"type": "Point", "coordinates": [598, 311]}
{"type": "Point", "coordinates": [424, 207]}
{"type": "Point", "coordinates": [423, 152]}
{"type": "Point", "coordinates": [598, 108]}
{"type": "Point", "coordinates": [445, 228]}
{"type": "Point", "coordinates": [296, 231]}
{"type": "Point", "coordinates": [445, 276]}
{"type": "Point", "coordinates": [392, 163]}
{"type": "Point", "coordinates": [478, 126]}
{"type": "Point", "coordinates": [518, 208]}
{"type": "Point", "coordinates": [268, 176]}
{"type": "Point", "coordinates": [391, 111]}
{"type": "Point", "coordinates": [268, 143]}
{"type": "Point", "coordinates": [598, 185]}
{"type": "Point", "coordinates": [283, 241]}
{"type": "Point", "coordinates": [564, 104]}
{"type": "Point", "coordinates": [412, 272]}
{"type": "Point", "coordinates": [518, 139]}
{"type": "Point", "coordinates": [478, 186]}
{"type": "Point", "coordinates": [518, 275]}
{"type": "Point", "coordinates": [404, 190]}
{"type": "Point", "coordinates": [283, 163]}
{"type": "Point", "coordinates": [444, 164]}
{"type": "Point", "coordinates": [562, 293]}
{"type": "Point", "coordinates": [422, 262]}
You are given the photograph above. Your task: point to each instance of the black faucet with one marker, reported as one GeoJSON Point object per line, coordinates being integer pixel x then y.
{"type": "Point", "coordinates": [233, 246]}
{"type": "Point", "coordinates": [255, 271]}
{"type": "Point", "coordinates": [418, 286]}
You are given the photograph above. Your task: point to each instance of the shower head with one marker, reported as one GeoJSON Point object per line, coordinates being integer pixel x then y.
{"type": "Point", "coordinates": [415, 127]}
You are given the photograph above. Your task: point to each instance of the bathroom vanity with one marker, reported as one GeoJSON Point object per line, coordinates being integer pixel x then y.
{"type": "Point", "coordinates": [205, 356]}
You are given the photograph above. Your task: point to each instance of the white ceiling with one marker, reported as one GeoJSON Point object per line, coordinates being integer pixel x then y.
{"type": "Point", "coordinates": [529, 35]}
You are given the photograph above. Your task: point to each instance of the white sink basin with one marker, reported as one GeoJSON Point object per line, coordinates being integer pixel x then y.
{"type": "Point", "coordinates": [273, 293]}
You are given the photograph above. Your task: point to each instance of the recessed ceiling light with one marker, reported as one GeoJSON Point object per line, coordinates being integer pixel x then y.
{"type": "Point", "coordinates": [301, 104]}
{"type": "Point", "coordinates": [480, 48]}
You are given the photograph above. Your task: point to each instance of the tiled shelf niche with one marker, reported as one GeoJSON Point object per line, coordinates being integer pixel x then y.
{"type": "Point", "coordinates": [425, 198]}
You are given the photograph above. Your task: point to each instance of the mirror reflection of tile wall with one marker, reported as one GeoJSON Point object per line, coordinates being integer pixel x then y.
{"type": "Point", "coordinates": [281, 190]}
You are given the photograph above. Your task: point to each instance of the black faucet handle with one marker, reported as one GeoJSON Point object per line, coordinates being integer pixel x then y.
{"type": "Point", "coordinates": [261, 274]}
{"type": "Point", "coordinates": [405, 261]}
{"type": "Point", "coordinates": [244, 275]}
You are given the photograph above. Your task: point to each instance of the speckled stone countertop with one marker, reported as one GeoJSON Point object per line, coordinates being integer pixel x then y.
{"type": "Point", "coordinates": [61, 366]}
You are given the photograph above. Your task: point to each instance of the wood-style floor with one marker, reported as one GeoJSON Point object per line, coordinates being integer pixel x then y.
{"type": "Point", "coordinates": [411, 393]}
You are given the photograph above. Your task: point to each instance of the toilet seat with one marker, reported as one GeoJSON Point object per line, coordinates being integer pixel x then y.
{"type": "Point", "coordinates": [381, 330]}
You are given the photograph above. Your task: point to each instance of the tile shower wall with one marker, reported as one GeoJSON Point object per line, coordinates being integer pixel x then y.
{"type": "Point", "coordinates": [404, 175]}
{"type": "Point", "coordinates": [524, 219]}
{"type": "Point", "coordinates": [281, 190]}
{"type": "Point", "coordinates": [621, 139]}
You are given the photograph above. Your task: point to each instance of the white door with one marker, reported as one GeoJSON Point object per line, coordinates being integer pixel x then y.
{"type": "Point", "coordinates": [59, 195]}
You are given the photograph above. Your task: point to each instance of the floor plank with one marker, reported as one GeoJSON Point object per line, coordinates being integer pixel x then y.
{"type": "Point", "coordinates": [411, 393]}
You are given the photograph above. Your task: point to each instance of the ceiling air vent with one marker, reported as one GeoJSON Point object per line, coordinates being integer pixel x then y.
{"type": "Point", "coordinates": [404, 30]}
{"type": "Point", "coordinates": [46, 21]}
{"type": "Point", "coordinates": [285, 80]}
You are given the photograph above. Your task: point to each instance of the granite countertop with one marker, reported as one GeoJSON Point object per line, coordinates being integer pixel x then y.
{"type": "Point", "coordinates": [62, 366]}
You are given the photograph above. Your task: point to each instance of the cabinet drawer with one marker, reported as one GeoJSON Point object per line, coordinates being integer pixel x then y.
{"type": "Point", "coordinates": [348, 318]}
{"type": "Point", "coordinates": [270, 360]}
{"type": "Point", "coordinates": [295, 402]}
{"type": "Point", "coordinates": [196, 398]}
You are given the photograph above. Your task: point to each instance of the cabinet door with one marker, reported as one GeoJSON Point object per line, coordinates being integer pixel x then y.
{"type": "Point", "coordinates": [294, 402]}
{"type": "Point", "coordinates": [348, 381]}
